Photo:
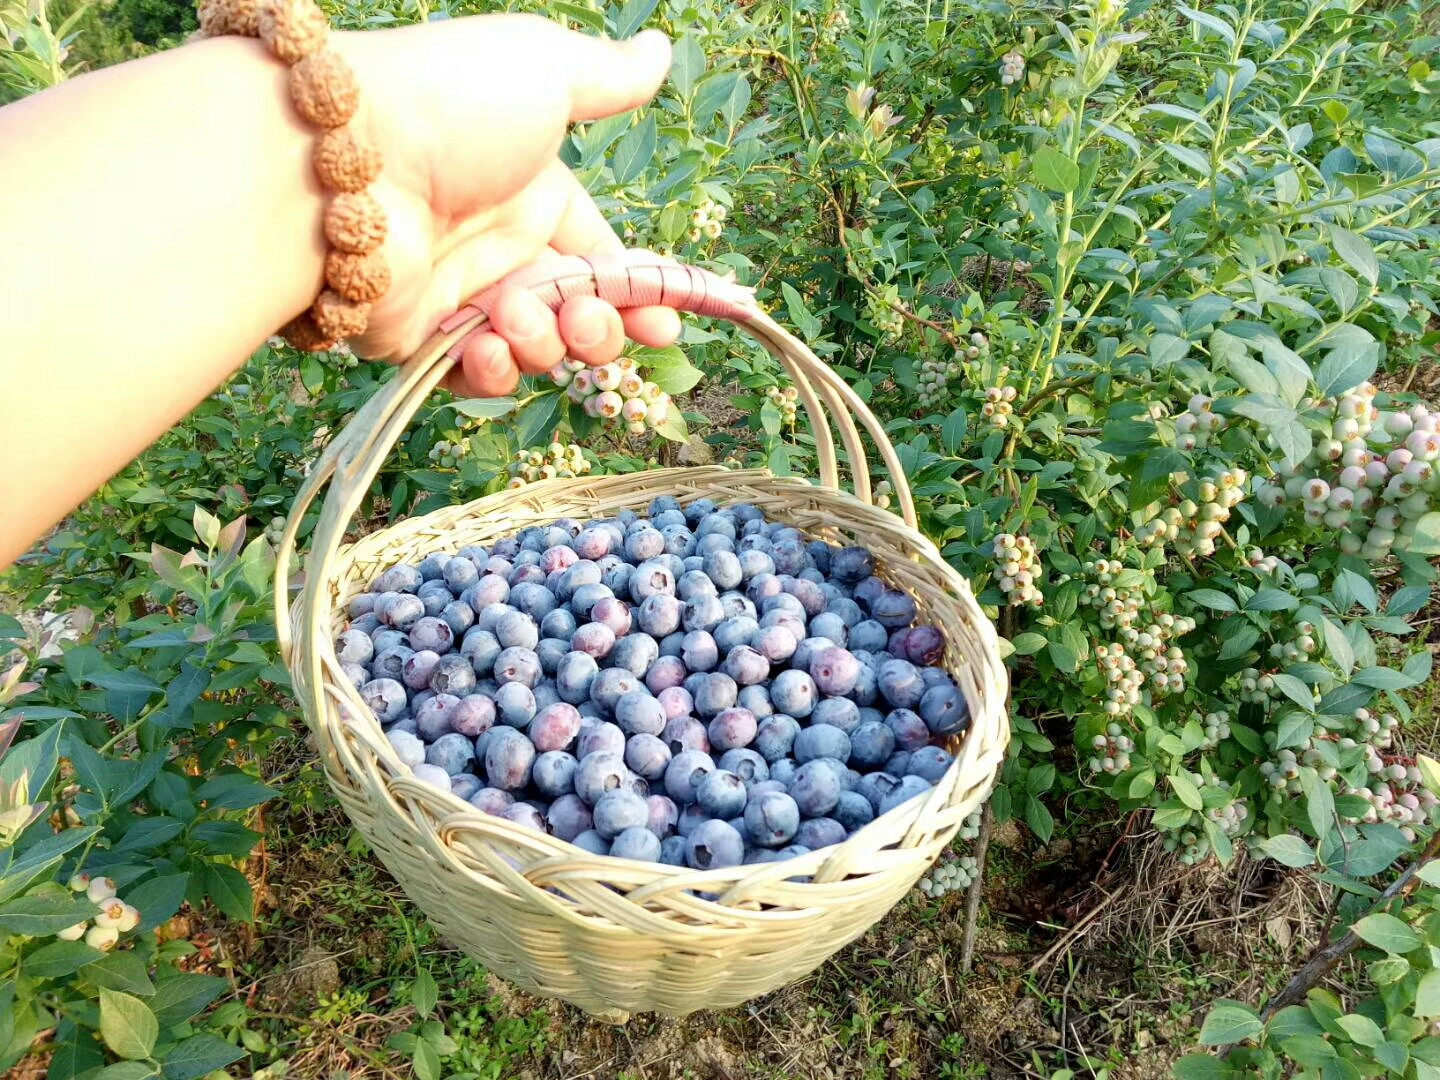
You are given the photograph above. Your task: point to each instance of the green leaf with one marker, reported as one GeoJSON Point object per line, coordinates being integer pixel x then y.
{"type": "Point", "coordinates": [1319, 802]}
{"type": "Point", "coordinates": [1388, 933]}
{"type": "Point", "coordinates": [59, 958]}
{"type": "Point", "coordinates": [1393, 1056]}
{"type": "Point", "coordinates": [199, 1055]}
{"type": "Point", "coordinates": [1426, 540]}
{"type": "Point", "coordinates": [127, 1025]}
{"type": "Point", "coordinates": [424, 993]}
{"type": "Point", "coordinates": [1063, 657]}
{"type": "Point", "coordinates": [45, 913]}
{"type": "Point", "coordinates": [1054, 171]}
{"type": "Point", "coordinates": [427, 1061]}
{"type": "Point", "coordinates": [1338, 646]}
{"type": "Point", "coordinates": [127, 680]}
{"type": "Point", "coordinates": [669, 369]}
{"type": "Point", "coordinates": [1038, 817]}
{"type": "Point", "coordinates": [230, 891]}
{"type": "Point", "coordinates": [1295, 690]}
{"type": "Point", "coordinates": [635, 151]}
{"type": "Point", "coordinates": [1361, 1029]}
{"type": "Point", "coordinates": [180, 997]}
{"type": "Point", "coordinates": [484, 408]}
{"type": "Point", "coordinates": [127, 1070]}
{"type": "Point", "coordinates": [77, 1055]}
{"type": "Point", "coordinates": [1186, 791]}
{"type": "Point", "coordinates": [633, 15]}
{"type": "Point", "coordinates": [1028, 643]}
{"type": "Point", "coordinates": [1213, 599]}
{"type": "Point", "coordinates": [1356, 252]}
{"type": "Point", "coordinates": [158, 898]}
{"type": "Point", "coordinates": [1427, 995]}
{"type": "Point", "coordinates": [537, 420]}
{"type": "Point", "coordinates": [807, 324]}
{"type": "Point", "coordinates": [120, 971]}
{"type": "Point", "coordinates": [1288, 850]}
{"type": "Point", "coordinates": [952, 432]}
{"type": "Point", "coordinates": [1309, 1050]}
{"type": "Point", "coordinates": [1229, 1022]}
{"type": "Point", "coordinates": [1200, 1067]}
{"type": "Point", "coordinates": [37, 759]}
{"type": "Point", "coordinates": [1346, 367]}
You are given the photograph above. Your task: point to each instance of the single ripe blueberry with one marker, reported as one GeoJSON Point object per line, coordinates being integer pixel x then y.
{"type": "Point", "coordinates": [553, 773]}
{"type": "Point", "coordinates": [637, 712]}
{"type": "Point", "coordinates": [618, 810]}
{"type": "Point", "coordinates": [664, 815]}
{"type": "Point", "coordinates": [929, 763]}
{"type": "Point", "coordinates": [434, 775]}
{"type": "Point", "coordinates": [574, 676]}
{"type": "Point", "coordinates": [775, 737]}
{"type": "Point", "coordinates": [828, 625]}
{"type": "Point", "coordinates": [594, 639]}
{"type": "Point", "coordinates": [898, 764]}
{"type": "Point", "coordinates": [677, 702]}
{"type": "Point", "coordinates": [714, 844]}
{"type": "Point", "coordinates": [837, 712]}
{"type": "Point", "coordinates": [853, 811]}
{"type": "Point", "coordinates": [473, 716]}
{"type": "Point", "coordinates": [945, 710]}
{"type": "Point", "coordinates": [390, 664]}
{"type": "Point", "coordinates": [684, 773]}
{"type": "Point", "coordinates": [685, 733]}
{"type": "Point", "coordinates": [871, 745]}
{"type": "Point", "coordinates": [386, 698]}
{"type": "Point", "coordinates": [515, 706]}
{"type": "Point", "coordinates": [481, 648]}
{"type": "Point", "coordinates": [614, 613]}
{"type": "Point", "coordinates": [598, 774]}
{"type": "Point", "coordinates": [453, 675]}
{"type": "Point", "coordinates": [793, 693]}
{"type": "Point", "coordinates": [672, 851]}
{"type": "Point", "coordinates": [407, 746]}
{"type": "Point", "coordinates": [782, 771]}
{"type": "Point", "coordinates": [776, 643]}
{"type": "Point", "coordinates": [699, 651]}
{"type": "Point", "coordinates": [721, 794]}
{"type": "Point", "coordinates": [900, 683]}
{"type": "Point", "coordinates": [453, 752]}
{"type": "Point", "coordinates": [569, 817]}
{"type": "Point", "coordinates": [402, 578]}
{"type": "Point", "coordinates": [737, 630]}
{"type": "Point", "coordinates": [716, 694]}
{"type": "Point", "coordinates": [515, 629]}
{"type": "Point", "coordinates": [650, 578]}
{"type": "Point", "coordinates": [821, 741]}
{"type": "Point", "coordinates": [908, 788]}
{"type": "Point", "coordinates": [559, 623]}
{"type": "Point", "coordinates": [746, 666]}
{"type": "Point", "coordinates": [756, 699]}
{"type": "Point", "coordinates": [416, 672]}
{"type": "Point", "coordinates": [433, 718]}
{"type": "Point", "coordinates": [660, 614]}
{"type": "Point", "coordinates": [702, 613]}
{"type": "Point", "coordinates": [869, 635]}
{"type": "Point", "coordinates": [746, 764]}
{"type": "Point", "coordinates": [492, 800]}
{"type": "Point", "coordinates": [909, 730]}
{"type": "Point", "coordinates": [553, 727]}
{"type": "Point", "coordinates": [353, 647]}
{"type": "Point", "coordinates": [893, 609]}
{"type": "Point", "coordinates": [600, 738]}
{"type": "Point", "coordinates": [732, 728]}
{"type": "Point", "coordinates": [635, 653]}
{"type": "Point", "coordinates": [592, 842]}
{"type": "Point", "coordinates": [819, 832]}
{"type": "Point", "coordinates": [835, 671]}
{"type": "Point", "coordinates": [509, 758]}
{"type": "Point", "coordinates": [816, 788]}
{"type": "Point", "coordinates": [636, 843]}
{"type": "Point", "coordinates": [771, 818]}
{"type": "Point", "coordinates": [723, 568]}
{"type": "Point", "coordinates": [925, 645]}
{"type": "Point", "coordinates": [610, 686]}
{"type": "Point", "coordinates": [648, 756]}
{"type": "Point", "coordinates": [550, 651]}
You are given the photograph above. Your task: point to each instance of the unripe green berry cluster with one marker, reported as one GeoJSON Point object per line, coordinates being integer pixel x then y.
{"type": "Point", "coordinates": [836, 23]}
{"type": "Point", "coordinates": [1299, 647]}
{"type": "Point", "coordinates": [880, 306]}
{"type": "Point", "coordinates": [1164, 663]}
{"type": "Point", "coordinates": [615, 392]}
{"type": "Point", "coordinates": [275, 530]}
{"type": "Point", "coordinates": [883, 494]}
{"type": "Point", "coordinates": [970, 827]}
{"type": "Point", "coordinates": [707, 221]}
{"type": "Point", "coordinates": [448, 455]}
{"type": "Point", "coordinates": [935, 379]}
{"type": "Point", "coordinates": [566, 460]}
{"type": "Point", "coordinates": [1018, 570]}
{"type": "Point", "coordinates": [1112, 751]}
{"type": "Point", "coordinates": [1118, 607]}
{"type": "Point", "coordinates": [1216, 725]}
{"type": "Point", "coordinates": [950, 876]}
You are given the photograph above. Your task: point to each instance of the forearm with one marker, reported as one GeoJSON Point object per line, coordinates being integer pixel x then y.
{"type": "Point", "coordinates": [163, 220]}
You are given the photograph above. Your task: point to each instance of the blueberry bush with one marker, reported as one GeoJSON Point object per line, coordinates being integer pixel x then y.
{"type": "Point", "coordinates": [1146, 297]}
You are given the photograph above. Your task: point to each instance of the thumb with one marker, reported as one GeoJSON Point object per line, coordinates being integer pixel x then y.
{"type": "Point", "coordinates": [609, 77]}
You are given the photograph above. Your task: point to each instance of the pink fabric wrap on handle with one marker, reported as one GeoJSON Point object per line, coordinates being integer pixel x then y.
{"type": "Point", "coordinates": [627, 280]}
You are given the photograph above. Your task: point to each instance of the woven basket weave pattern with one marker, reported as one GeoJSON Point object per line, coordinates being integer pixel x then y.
{"type": "Point", "coordinates": [611, 935]}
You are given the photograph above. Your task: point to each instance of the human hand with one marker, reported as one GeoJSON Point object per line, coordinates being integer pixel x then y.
{"type": "Point", "coordinates": [470, 114]}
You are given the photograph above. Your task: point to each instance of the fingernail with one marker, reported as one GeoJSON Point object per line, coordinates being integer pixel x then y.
{"type": "Point", "coordinates": [528, 321]}
{"type": "Point", "coordinates": [590, 333]}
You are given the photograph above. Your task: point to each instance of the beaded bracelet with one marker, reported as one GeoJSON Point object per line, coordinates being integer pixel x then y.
{"type": "Point", "coordinates": [325, 92]}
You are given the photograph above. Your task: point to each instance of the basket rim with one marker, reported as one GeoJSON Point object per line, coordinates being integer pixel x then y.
{"type": "Point", "coordinates": [458, 810]}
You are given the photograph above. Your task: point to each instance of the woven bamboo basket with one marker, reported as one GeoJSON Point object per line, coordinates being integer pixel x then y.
{"type": "Point", "coordinates": [614, 936]}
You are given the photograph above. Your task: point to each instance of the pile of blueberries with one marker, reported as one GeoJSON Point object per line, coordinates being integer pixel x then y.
{"type": "Point", "coordinates": [698, 686]}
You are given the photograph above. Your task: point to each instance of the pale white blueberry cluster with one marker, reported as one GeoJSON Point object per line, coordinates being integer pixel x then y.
{"type": "Point", "coordinates": [880, 306]}
{"type": "Point", "coordinates": [614, 391]}
{"type": "Point", "coordinates": [1197, 423]}
{"type": "Point", "coordinates": [1018, 571]}
{"type": "Point", "coordinates": [1299, 647]}
{"type": "Point", "coordinates": [1012, 68]}
{"type": "Point", "coordinates": [275, 530]}
{"type": "Point", "coordinates": [707, 221]}
{"type": "Point", "coordinates": [785, 402]}
{"type": "Point", "coordinates": [1118, 606]}
{"type": "Point", "coordinates": [1112, 751]}
{"type": "Point", "coordinates": [448, 455]}
{"type": "Point", "coordinates": [1193, 528]}
{"type": "Point", "coordinates": [1122, 676]}
{"type": "Point", "coordinates": [999, 405]}
{"type": "Point", "coordinates": [1217, 727]}
{"type": "Point", "coordinates": [1164, 663]}
{"type": "Point", "coordinates": [565, 460]}
{"type": "Point", "coordinates": [115, 918]}
{"type": "Point", "coordinates": [1373, 475]}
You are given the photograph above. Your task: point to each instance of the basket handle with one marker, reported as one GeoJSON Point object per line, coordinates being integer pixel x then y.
{"type": "Point", "coordinates": [632, 279]}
